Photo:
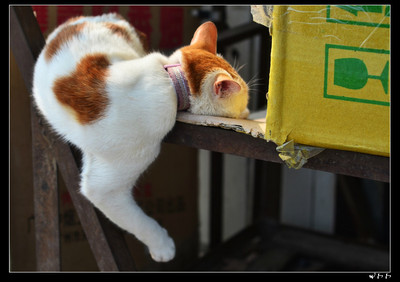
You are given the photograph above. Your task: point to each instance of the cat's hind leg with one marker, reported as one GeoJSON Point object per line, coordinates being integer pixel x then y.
{"type": "Point", "coordinates": [108, 186]}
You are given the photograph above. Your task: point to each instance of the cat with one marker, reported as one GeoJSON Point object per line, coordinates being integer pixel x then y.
{"type": "Point", "coordinates": [100, 88]}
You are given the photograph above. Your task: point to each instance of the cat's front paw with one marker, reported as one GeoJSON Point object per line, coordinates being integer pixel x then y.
{"type": "Point", "coordinates": [165, 250]}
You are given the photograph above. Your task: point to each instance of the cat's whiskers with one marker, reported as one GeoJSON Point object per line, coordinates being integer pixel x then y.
{"type": "Point", "coordinates": [253, 82]}
{"type": "Point", "coordinates": [236, 65]}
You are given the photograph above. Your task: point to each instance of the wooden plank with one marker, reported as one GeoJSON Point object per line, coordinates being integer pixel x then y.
{"type": "Point", "coordinates": [230, 142]}
{"type": "Point", "coordinates": [45, 187]}
{"type": "Point", "coordinates": [352, 163]}
{"type": "Point", "coordinates": [223, 141]}
{"type": "Point", "coordinates": [117, 244]}
{"type": "Point", "coordinates": [46, 206]}
{"type": "Point", "coordinates": [26, 40]}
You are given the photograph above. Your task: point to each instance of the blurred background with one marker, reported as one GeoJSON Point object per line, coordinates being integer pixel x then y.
{"type": "Point", "coordinates": [340, 207]}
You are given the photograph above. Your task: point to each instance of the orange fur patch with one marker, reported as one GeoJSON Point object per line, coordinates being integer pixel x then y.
{"type": "Point", "coordinates": [121, 31]}
{"type": "Point", "coordinates": [118, 30]}
{"type": "Point", "coordinates": [61, 38]}
{"type": "Point", "coordinates": [143, 39]}
{"type": "Point", "coordinates": [198, 63]}
{"type": "Point", "coordinates": [84, 90]}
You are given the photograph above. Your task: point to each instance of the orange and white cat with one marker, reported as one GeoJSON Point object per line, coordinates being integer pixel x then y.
{"type": "Point", "coordinates": [101, 90]}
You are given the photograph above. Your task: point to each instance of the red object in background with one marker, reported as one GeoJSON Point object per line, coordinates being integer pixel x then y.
{"type": "Point", "coordinates": [66, 12]}
{"type": "Point", "coordinates": [171, 20]}
{"type": "Point", "coordinates": [171, 27]}
{"type": "Point", "coordinates": [66, 198]}
{"type": "Point", "coordinates": [139, 17]}
{"type": "Point", "coordinates": [98, 10]}
{"type": "Point", "coordinates": [143, 191]}
{"type": "Point", "coordinates": [41, 16]}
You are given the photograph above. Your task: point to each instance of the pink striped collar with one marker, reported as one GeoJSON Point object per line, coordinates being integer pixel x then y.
{"type": "Point", "coordinates": [180, 84]}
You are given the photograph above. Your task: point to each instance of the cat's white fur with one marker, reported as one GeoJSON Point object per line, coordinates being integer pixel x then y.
{"type": "Point", "coordinates": [121, 144]}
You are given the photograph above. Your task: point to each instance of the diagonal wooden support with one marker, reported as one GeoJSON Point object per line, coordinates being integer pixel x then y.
{"type": "Point", "coordinates": [106, 240]}
{"type": "Point", "coordinates": [46, 206]}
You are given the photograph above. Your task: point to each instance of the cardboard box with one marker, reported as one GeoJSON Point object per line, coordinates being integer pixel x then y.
{"type": "Point", "coordinates": [330, 77]}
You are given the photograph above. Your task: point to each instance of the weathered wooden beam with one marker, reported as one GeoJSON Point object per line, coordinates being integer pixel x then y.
{"type": "Point", "coordinates": [230, 142]}
{"type": "Point", "coordinates": [223, 141]}
{"type": "Point", "coordinates": [46, 206]}
{"type": "Point", "coordinates": [26, 40]}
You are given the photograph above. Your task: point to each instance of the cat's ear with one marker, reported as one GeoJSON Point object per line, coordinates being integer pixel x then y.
{"type": "Point", "coordinates": [205, 37]}
{"type": "Point", "coordinates": [225, 87]}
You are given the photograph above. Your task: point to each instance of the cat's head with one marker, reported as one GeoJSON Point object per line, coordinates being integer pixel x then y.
{"type": "Point", "coordinates": [216, 87]}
